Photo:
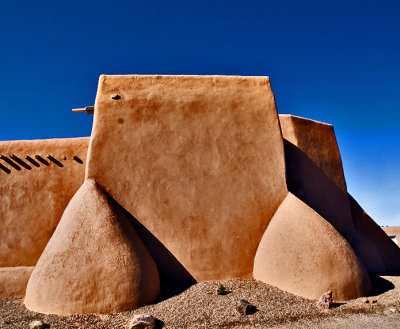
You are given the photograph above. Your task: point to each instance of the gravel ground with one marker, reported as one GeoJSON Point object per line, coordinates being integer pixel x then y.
{"type": "Point", "coordinates": [200, 307]}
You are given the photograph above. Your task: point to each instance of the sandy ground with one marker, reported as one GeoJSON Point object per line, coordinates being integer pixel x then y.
{"type": "Point", "coordinates": [200, 307]}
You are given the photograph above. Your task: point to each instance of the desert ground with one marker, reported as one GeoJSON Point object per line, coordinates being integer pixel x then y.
{"type": "Point", "coordinates": [199, 306]}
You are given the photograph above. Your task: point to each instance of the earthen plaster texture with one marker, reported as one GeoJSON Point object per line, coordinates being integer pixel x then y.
{"type": "Point", "coordinates": [199, 161]}
{"type": "Point", "coordinates": [94, 263]}
{"type": "Point", "coordinates": [307, 179]}
{"type": "Point", "coordinates": [318, 141]}
{"type": "Point", "coordinates": [309, 148]}
{"type": "Point", "coordinates": [302, 253]}
{"type": "Point", "coordinates": [183, 176]}
{"type": "Point", "coordinates": [34, 195]}
{"type": "Point", "coordinates": [13, 281]}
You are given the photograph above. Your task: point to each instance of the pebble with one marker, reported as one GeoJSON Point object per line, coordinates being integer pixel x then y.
{"type": "Point", "coordinates": [245, 308]}
{"type": "Point", "coordinates": [38, 324]}
{"type": "Point", "coordinates": [142, 321]}
{"type": "Point", "coordinates": [325, 300]}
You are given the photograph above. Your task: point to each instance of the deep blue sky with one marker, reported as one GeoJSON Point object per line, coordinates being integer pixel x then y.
{"type": "Point", "coordinates": [332, 61]}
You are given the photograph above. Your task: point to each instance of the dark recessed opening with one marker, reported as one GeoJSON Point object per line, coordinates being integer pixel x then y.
{"type": "Point", "coordinates": [22, 163]}
{"type": "Point", "coordinates": [32, 161]}
{"type": "Point", "coordinates": [77, 159]}
{"type": "Point", "coordinates": [5, 169]}
{"type": "Point", "coordinates": [54, 160]}
{"type": "Point", "coordinates": [40, 159]}
{"type": "Point", "coordinates": [10, 162]}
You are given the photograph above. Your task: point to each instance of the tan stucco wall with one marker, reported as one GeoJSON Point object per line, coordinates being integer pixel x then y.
{"type": "Point", "coordinates": [318, 141]}
{"type": "Point", "coordinates": [196, 164]}
{"type": "Point", "coordinates": [34, 198]}
{"type": "Point", "coordinates": [94, 263]}
{"type": "Point", "coordinates": [13, 281]}
{"type": "Point", "coordinates": [314, 174]}
{"type": "Point", "coordinates": [302, 253]}
{"type": "Point", "coordinates": [195, 157]}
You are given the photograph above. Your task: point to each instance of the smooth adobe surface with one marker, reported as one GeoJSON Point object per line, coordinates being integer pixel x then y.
{"type": "Point", "coordinates": [318, 141]}
{"type": "Point", "coordinates": [197, 160]}
{"type": "Point", "coordinates": [35, 192]}
{"type": "Point", "coordinates": [94, 263]}
{"type": "Point", "coordinates": [310, 183]}
{"type": "Point", "coordinates": [183, 176]}
{"type": "Point", "coordinates": [13, 281]}
{"type": "Point", "coordinates": [302, 253]}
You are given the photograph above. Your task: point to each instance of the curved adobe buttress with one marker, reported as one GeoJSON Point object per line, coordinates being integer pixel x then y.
{"type": "Point", "coordinates": [315, 175]}
{"type": "Point", "coordinates": [94, 263]}
{"type": "Point", "coordinates": [302, 253]}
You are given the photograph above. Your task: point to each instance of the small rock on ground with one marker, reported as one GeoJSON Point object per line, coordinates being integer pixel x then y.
{"type": "Point", "coordinates": [245, 308]}
{"type": "Point", "coordinates": [325, 301]}
{"type": "Point", "coordinates": [142, 321]}
{"type": "Point", "coordinates": [38, 324]}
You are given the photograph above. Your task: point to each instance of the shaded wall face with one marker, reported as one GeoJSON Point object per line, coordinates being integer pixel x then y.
{"type": "Point", "coordinates": [38, 178]}
{"type": "Point", "coordinates": [315, 175]}
{"type": "Point", "coordinates": [318, 141]}
{"type": "Point", "coordinates": [310, 184]}
{"type": "Point", "coordinates": [198, 161]}
{"type": "Point", "coordinates": [388, 250]}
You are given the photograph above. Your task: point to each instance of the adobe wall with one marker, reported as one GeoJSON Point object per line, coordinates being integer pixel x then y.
{"type": "Point", "coordinates": [13, 281]}
{"type": "Point", "coordinates": [195, 157]}
{"type": "Point", "coordinates": [38, 178]}
{"type": "Point", "coordinates": [302, 253]}
{"type": "Point", "coordinates": [314, 169]}
{"type": "Point", "coordinates": [195, 167]}
{"type": "Point", "coordinates": [94, 263]}
{"type": "Point", "coordinates": [318, 141]}
{"type": "Point", "coordinates": [315, 175]}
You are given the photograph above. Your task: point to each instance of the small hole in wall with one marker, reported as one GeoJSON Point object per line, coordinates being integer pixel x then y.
{"type": "Point", "coordinates": [20, 162]}
{"type": "Point", "coordinates": [40, 159]}
{"type": "Point", "coordinates": [77, 159]}
{"type": "Point", "coordinates": [55, 161]}
{"type": "Point", "coordinates": [32, 161]}
{"type": "Point", "coordinates": [10, 162]}
{"type": "Point", "coordinates": [5, 169]}
{"type": "Point", "coordinates": [116, 97]}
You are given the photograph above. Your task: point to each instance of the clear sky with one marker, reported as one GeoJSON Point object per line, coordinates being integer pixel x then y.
{"type": "Point", "coordinates": [332, 61]}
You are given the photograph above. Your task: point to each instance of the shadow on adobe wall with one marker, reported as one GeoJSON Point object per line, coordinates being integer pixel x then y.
{"type": "Point", "coordinates": [310, 184]}
{"type": "Point", "coordinates": [174, 277]}
{"type": "Point", "coordinates": [366, 226]}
